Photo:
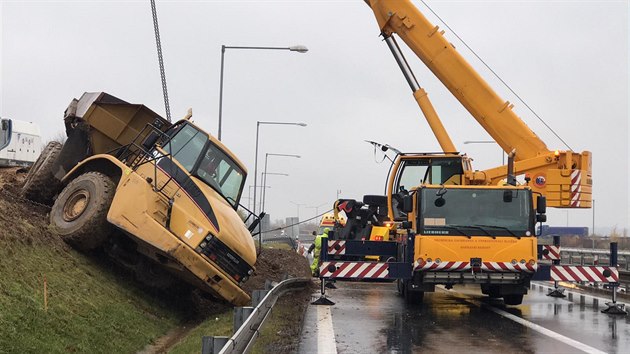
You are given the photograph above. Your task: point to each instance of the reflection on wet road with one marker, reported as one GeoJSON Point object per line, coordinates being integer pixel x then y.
{"type": "Point", "coordinates": [372, 318]}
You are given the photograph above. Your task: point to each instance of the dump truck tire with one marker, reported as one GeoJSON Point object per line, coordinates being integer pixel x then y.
{"type": "Point", "coordinates": [79, 214]}
{"type": "Point", "coordinates": [41, 185]}
{"type": "Point", "coordinates": [152, 275]}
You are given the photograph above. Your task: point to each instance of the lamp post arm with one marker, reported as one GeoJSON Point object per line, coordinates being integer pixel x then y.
{"type": "Point", "coordinates": [256, 165]}
{"type": "Point", "coordinates": [264, 183]}
{"type": "Point", "coordinates": [221, 92]}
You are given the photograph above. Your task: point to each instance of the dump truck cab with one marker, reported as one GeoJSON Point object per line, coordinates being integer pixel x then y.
{"type": "Point", "coordinates": [190, 185]}
{"type": "Point", "coordinates": [160, 198]}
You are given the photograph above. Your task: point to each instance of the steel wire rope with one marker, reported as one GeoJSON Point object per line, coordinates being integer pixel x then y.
{"type": "Point", "coordinates": [496, 75]}
{"type": "Point", "coordinates": [301, 222]}
{"type": "Point", "coordinates": [158, 44]}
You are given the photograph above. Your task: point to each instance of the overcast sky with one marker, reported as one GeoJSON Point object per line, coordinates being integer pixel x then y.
{"type": "Point", "coordinates": [567, 59]}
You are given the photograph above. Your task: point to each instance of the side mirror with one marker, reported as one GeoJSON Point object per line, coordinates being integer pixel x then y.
{"type": "Point", "coordinates": [407, 206]}
{"type": "Point", "coordinates": [150, 141]}
{"type": "Point", "coordinates": [255, 223]}
{"type": "Point", "coordinates": [541, 204]}
{"type": "Point", "coordinates": [541, 218]}
{"type": "Point", "coordinates": [507, 196]}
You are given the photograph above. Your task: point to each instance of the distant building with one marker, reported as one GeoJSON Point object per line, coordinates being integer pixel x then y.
{"type": "Point", "coordinates": [293, 230]}
{"type": "Point", "coordinates": [265, 225]}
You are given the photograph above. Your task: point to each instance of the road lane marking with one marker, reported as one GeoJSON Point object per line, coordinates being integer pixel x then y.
{"type": "Point", "coordinates": [578, 294]}
{"type": "Point", "coordinates": [538, 328]}
{"type": "Point", "coordinates": [326, 343]}
{"type": "Point", "coordinates": [542, 330]}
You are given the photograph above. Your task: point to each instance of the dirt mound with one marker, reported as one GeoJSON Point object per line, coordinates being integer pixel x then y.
{"type": "Point", "coordinates": [23, 222]}
{"type": "Point", "coordinates": [275, 264]}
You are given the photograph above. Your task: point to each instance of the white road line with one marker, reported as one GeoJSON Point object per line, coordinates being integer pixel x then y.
{"type": "Point", "coordinates": [578, 294]}
{"type": "Point", "coordinates": [326, 343]}
{"type": "Point", "coordinates": [542, 330]}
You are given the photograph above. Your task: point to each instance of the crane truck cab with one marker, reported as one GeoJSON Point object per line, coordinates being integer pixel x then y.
{"type": "Point", "coordinates": [463, 233]}
{"type": "Point", "coordinates": [160, 198]}
{"type": "Point", "coordinates": [446, 230]}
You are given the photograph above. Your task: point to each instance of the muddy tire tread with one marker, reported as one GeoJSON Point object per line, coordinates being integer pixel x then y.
{"type": "Point", "coordinates": [41, 185]}
{"type": "Point", "coordinates": [96, 229]}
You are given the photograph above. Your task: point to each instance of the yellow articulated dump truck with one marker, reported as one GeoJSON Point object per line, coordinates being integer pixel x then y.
{"type": "Point", "coordinates": [160, 198]}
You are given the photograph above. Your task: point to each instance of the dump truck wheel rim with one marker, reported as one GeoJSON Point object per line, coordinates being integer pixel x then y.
{"type": "Point", "coordinates": [76, 205]}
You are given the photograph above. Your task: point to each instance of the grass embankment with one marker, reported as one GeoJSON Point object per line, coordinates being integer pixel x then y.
{"type": "Point", "coordinates": [88, 308]}
{"type": "Point", "coordinates": [281, 331]}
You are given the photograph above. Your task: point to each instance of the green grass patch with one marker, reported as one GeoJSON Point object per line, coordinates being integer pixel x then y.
{"type": "Point", "coordinates": [219, 324]}
{"type": "Point", "coordinates": [91, 307]}
{"type": "Point", "coordinates": [281, 331]}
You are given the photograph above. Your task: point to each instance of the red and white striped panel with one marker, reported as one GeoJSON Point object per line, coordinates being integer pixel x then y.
{"type": "Point", "coordinates": [442, 266]}
{"type": "Point", "coordinates": [554, 252]}
{"type": "Point", "coordinates": [336, 247]}
{"type": "Point", "coordinates": [354, 270]}
{"type": "Point", "coordinates": [508, 267]}
{"type": "Point", "coordinates": [585, 273]}
{"type": "Point", "coordinates": [576, 188]}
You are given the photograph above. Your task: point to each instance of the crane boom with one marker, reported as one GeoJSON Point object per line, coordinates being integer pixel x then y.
{"type": "Point", "coordinates": [563, 176]}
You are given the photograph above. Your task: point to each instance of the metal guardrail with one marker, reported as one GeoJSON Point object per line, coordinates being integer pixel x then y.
{"type": "Point", "coordinates": [245, 336]}
{"type": "Point", "coordinates": [593, 251]}
{"type": "Point", "coordinates": [586, 256]}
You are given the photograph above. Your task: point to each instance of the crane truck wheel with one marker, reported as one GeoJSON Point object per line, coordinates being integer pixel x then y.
{"type": "Point", "coordinates": [41, 185]}
{"type": "Point", "coordinates": [79, 214]}
{"type": "Point", "coordinates": [412, 296]}
{"type": "Point", "coordinates": [513, 299]}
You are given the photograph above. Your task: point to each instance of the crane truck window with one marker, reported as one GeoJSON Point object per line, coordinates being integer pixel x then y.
{"type": "Point", "coordinates": [476, 211]}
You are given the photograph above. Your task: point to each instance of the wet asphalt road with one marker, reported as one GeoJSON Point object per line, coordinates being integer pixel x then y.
{"type": "Point", "coordinates": [372, 318]}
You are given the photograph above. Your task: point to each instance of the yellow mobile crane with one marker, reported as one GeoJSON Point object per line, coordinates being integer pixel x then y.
{"type": "Point", "coordinates": [456, 225]}
{"type": "Point", "coordinates": [564, 177]}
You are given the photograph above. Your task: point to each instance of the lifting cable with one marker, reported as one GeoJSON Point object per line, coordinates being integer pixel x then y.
{"type": "Point", "coordinates": [160, 60]}
{"type": "Point", "coordinates": [298, 223]}
{"type": "Point", "coordinates": [496, 75]}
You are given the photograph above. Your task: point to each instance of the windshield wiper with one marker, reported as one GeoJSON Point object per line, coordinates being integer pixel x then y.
{"type": "Point", "coordinates": [502, 228]}
{"type": "Point", "coordinates": [478, 227]}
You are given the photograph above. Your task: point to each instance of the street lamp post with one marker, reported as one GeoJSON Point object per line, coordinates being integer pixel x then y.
{"type": "Point", "coordinates": [295, 48]}
{"type": "Point", "coordinates": [298, 208]}
{"type": "Point", "coordinates": [249, 195]}
{"type": "Point", "coordinates": [486, 142]}
{"type": "Point", "coordinates": [265, 174]}
{"type": "Point", "coordinates": [258, 124]}
{"type": "Point", "coordinates": [593, 231]}
{"type": "Point", "coordinates": [316, 208]}
{"type": "Point", "coordinates": [260, 231]}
